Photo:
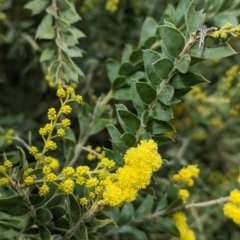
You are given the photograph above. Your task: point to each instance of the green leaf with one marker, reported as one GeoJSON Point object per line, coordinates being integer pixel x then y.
{"type": "Point", "coordinates": [159, 127]}
{"type": "Point", "coordinates": [178, 93]}
{"type": "Point", "coordinates": [100, 124]}
{"type": "Point", "coordinates": [112, 69]}
{"type": "Point", "coordinates": [194, 20]}
{"type": "Point", "coordinates": [136, 57]}
{"type": "Point", "coordinates": [62, 223]}
{"type": "Point", "coordinates": [168, 225]}
{"type": "Point", "coordinates": [55, 201]}
{"type": "Point", "coordinates": [62, 24]}
{"type": "Point", "coordinates": [118, 82]}
{"type": "Point", "coordinates": [82, 233]}
{"type": "Point", "coordinates": [74, 208]}
{"type": "Point", "coordinates": [129, 120]}
{"type": "Point", "coordinates": [161, 112]}
{"type": "Point", "coordinates": [166, 95]}
{"type": "Point", "coordinates": [64, 5]}
{"type": "Point", "coordinates": [126, 53]}
{"type": "Point", "coordinates": [74, 52]}
{"type": "Point", "coordinates": [186, 80]}
{"type": "Point", "coordinates": [37, 6]}
{"type": "Point", "coordinates": [58, 211]}
{"type": "Point", "coordinates": [44, 233]}
{"type": "Point", "coordinates": [145, 208]}
{"type": "Point", "coordinates": [136, 100]}
{"type": "Point", "coordinates": [45, 30]}
{"type": "Point", "coordinates": [126, 214]}
{"type": "Point", "coordinates": [148, 30]}
{"type": "Point", "coordinates": [126, 69]}
{"type": "Point", "coordinates": [176, 203]}
{"type": "Point", "coordinates": [163, 67]}
{"type": "Point", "coordinates": [161, 140]}
{"type": "Point", "coordinates": [146, 92]}
{"type": "Point", "coordinates": [47, 54]}
{"type": "Point", "coordinates": [224, 50]}
{"type": "Point", "coordinates": [173, 40]}
{"type": "Point", "coordinates": [44, 215]}
{"type": "Point", "coordinates": [99, 223]}
{"type": "Point", "coordinates": [149, 57]}
{"type": "Point", "coordinates": [70, 15]}
{"type": "Point", "coordinates": [128, 139]}
{"type": "Point", "coordinates": [122, 94]}
{"type": "Point", "coordinates": [222, 18]}
{"type": "Point", "coordinates": [76, 32]}
{"type": "Point", "coordinates": [183, 64]}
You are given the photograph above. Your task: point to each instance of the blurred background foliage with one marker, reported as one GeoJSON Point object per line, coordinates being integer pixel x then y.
{"type": "Point", "coordinates": [207, 120]}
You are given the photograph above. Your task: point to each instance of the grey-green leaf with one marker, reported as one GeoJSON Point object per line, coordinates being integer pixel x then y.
{"type": "Point", "coordinates": [211, 53]}
{"type": "Point", "coordinates": [159, 127]}
{"type": "Point", "coordinates": [166, 95]}
{"type": "Point", "coordinates": [193, 19]}
{"type": "Point", "coordinates": [146, 92]}
{"type": "Point", "coordinates": [161, 112]}
{"type": "Point", "coordinates": [183, 64]}
{"type": "Point", "coordinates": [37, 6]}
{"type": "Point", "coordinates": [173, 39]}
{"type": "Point", "coordinates": [47, 54]}
{"type": "Point", "coordinates": [163, 67]}
{"type": "Point", "coordinates": [149, 57]}
{"type": "Point", "coordinates": [45, 30]}
{"type": "Point", "coordinates": [44, 215]}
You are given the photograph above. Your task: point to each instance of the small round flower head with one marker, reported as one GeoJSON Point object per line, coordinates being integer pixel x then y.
{"type": "Point", "coordinates": [235, 196]}
{"type": "Point", "coordinates": [67, 186]}
{"type": "Point", "coordinates": [105, 162]}
{"type": "Point", "coordinates": [2, 169]}
{"type": "Point", "coordinates": [183, 194]}
{"type": "Point", "coordinates": [8, 164]}
{"type": "Point", "coordinates": [70, 90]}
{"type": "Point", "coordinates": [61, 132]}
{"type": "Point", "coordinates": [52, 114]}
{"type": "Point", "coordinates": [4, 181]}
{"type": "Point", "coordinates": [51, 177]}
{"type": "Point", "coordinates": [68, 171]}
{"type": "Point", "coordinates": [66, 122]}
{"type": "Point", "coordinates": [80, 181]}
{"type": "Point", "coordinates": [66, 109]}
{"type": "Point", "coordinates": [98, 190]}
{"type": "Point", "coordinates": [29, 180]}
{"type": "Point", "coordinates": [92, 182]}
{"type": "Point", "coordinates": [42, 132]}
{"type": "Point", "coordinates": [54, 164]}
{"type": "Point", "coordinates": [44, 190]}
{"type": "Point", "coordinates": [46, 170]}
{"type": "Point", "coordinates": [113, 195]}
{"type": "Point", "coordinates": [79, 99]}
{"type": "Point", "coordinates": [27, 172]}
{"type": "Point", "coordinates": [82, 170]}
{"type": "Point", "coordinates": [232, 211]}
{"type": "Point", "coordinates": [51, 145]}
{"type": "Point", "coordinates": [83, 201]}
{"type": "Point", "coordinates": [61, 93]}
{"type": "Point", "coordinates": [91, 157]}
{"type": "Point", "coordinates": [33, 150]}
{"type": "Point", "coordinates": [38, 156]}
{"type": "Point", "coordinates": [92, 195]}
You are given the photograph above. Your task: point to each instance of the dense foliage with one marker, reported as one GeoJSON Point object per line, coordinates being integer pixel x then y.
{"type": "Point", "coordinates": [119, 119]}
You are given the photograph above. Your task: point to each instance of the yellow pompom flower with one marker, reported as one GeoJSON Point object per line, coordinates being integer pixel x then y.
{"type": "Point", "coordinates": [51, 177]}
{"type": "Point", "coordinates": [33, 150]}
{"type": "Point", "coordinates": [61, 93]}
{"type": "Point", "coordinates": [92, 182]}
{"type": "Point", "coordinates": [54, 164]}
{"type": "Point", "coordinates": [83, 201]}
{"type": "Point", "coordinates": [183, 194]}
{"type": "Point", "coordinates": [232, 211]}
{"type": "Point", "coordinates": [51, 145]}
{"type": "Point", "coordinates": [113, 195]}
{"type": "Point", "coordinates": [67, 186]}
{"type": "Point", "coordinates": [52, 114]}
{"type": "Point", "coordinates": [66, 109]}
{"type": "Point", "coordinates": [46, 170]}
{"type": "Point", "coordinates": [4, 181]}
{"type": "Point", "coordinates": [79, 99]}
{"type": "Point", "coordinates": [61, 132]}
{"type": "Point", "coordinates": [29, 180]}
{"type": "Point", "coordinates": [70, 90]}
{"type": "Point", "coordinates": [181, 223]}
{"type": "Point", "coordinates": [8, 164]}
{"type": "Point", "coordinates": [235, 196]}
{"type": "Point", "coordinates": [2, 169]}
{"type": "Point", "coordinates": [66, 122]}
{"type": "Point", "coordinates": [186, 174]}
{"type": "Point", "coordinates": [82, 170]}
{"type": "Point", "coordinates": [27, 172]}
{"type": "Point", "coordinates": [68, 171]}
{"type": "Point", "coordinates": [44, 190]}
{"type": "Point", "coordinates": [105, 162]}
{"type": "Point", "coordinates": [112, 5]}
{"type": "Point", "coordinates": [80, 180]}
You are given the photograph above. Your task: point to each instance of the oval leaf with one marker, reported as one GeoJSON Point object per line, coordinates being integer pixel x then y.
{"type": "Point", "coordinates": [146, 92]}
{"type": "Point", "coordinates": [163, 67]}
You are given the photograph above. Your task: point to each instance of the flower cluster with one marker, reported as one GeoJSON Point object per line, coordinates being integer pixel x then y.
{"type": "Point", "coordinates": [8, 136]}
{"type": "Point", "coordinates": [112, 5]}
{"type": "Point", "coordinates": [181, 222]}
{"type": "Point", "coordinates": [226, 31]}
{"type": "Point", "coordinates": [185, 176]}
{"type": "Point", "coordinates": [232, 208]}
{"type": "Point", "coordinates": [140, 163]}
{"type": "Point", "coordinates": [7, 165]}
